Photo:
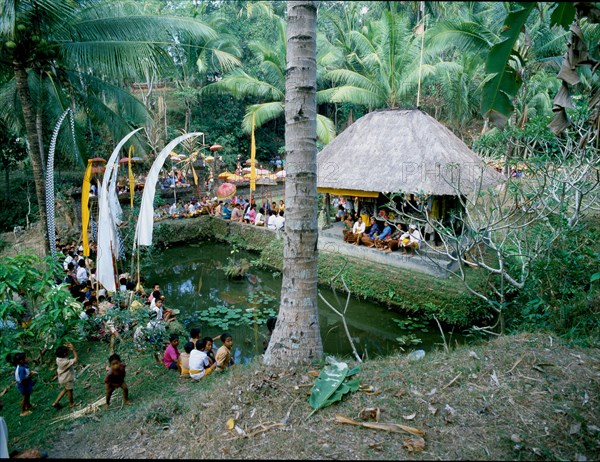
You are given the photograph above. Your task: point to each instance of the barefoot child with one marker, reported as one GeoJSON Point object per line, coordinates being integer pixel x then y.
{"type": "Point", "coordinates": [116, 379]}
{"type": "Point", "coordinates": [65, 372]}
{"type": "Point", "coordinates": [24, 379]}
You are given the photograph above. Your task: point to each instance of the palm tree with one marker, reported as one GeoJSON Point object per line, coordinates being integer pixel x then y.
{"type": "Point", "coordinates": [64, 51]}
{"type": "Point", "coordinates": [270, 87]}
{"type": "Point", "coordinates": [385, 72]}
{"type": "Point", "coordinates": [296, 338]}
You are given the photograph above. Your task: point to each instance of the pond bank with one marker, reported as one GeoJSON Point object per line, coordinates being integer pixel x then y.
{"type": "Point", "coordinates": [525, 397]}
{"type": "Point", "coordinates": [396, 288]}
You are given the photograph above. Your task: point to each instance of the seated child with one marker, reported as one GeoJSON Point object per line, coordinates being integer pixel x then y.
{"type": "Point", "coordinates": [184, 359]}
{"type": "Point", "coordinates": [66, 374]}
{"type": "Point", "coordinates": [209, 350]}
{"type": "Point", "coordinates": [199, 362]}
{"type": "Point", "coordinates": [194, 335]}
{"type": "Point", "coordinates": [223, 357]}
{"type": "Point", "coordinates": [171, 356]}
{"type": "Point", "coordinates": [116, 379]}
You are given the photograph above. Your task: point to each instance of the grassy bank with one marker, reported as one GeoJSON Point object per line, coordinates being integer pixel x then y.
{"type": "Point", "coordinates": [396, 288]}
{"type": "Point", "coordinates": [525, 397]}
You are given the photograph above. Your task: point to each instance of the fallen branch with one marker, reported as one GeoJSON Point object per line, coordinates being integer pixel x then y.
{"type": "Point", "coordinates": [446, 349]}
{"type": "Point", "coordinates": [516, 364]}
{"type": "Point", "coordinates": [451, 381]}
{"type": "Point", "coordinates": [89, 409]}
{"type": "Point", "coordinates": [388, 427]}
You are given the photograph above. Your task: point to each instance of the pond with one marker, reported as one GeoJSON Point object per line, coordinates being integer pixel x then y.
{"type": "Point", "coordinates": [193, 280]}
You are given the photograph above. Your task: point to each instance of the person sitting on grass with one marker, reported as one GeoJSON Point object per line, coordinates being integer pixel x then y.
{"type": "Point", "coordinates": [358, 230]}
{"type": "Point", "coordinates": [199, 363]}
{"type": "Point", "coordinates": [195, 335]}
{"type": "Point", "coordinates": [271, 220]}
{"type": "Point", "coordinates": [369, 239]}
{"type": "Point", "coordinates": [223, 358]}
{"type": "Point", "coordinates": [226, 212]}
{"type": "Point", "coordinates": [66, 374]}
{"type": "Point", "coordinates": [116, 379]}
{"type": "Point", "coordinates": [411, 239]}
{"type": "Point", "coordinates": [171, 355]}
{"type": "Point", "coordinates": [184, 359]}
{"type": "Point", "coordinates": [209, 350]}
{"type": "Point", "coordinates": [24, 380]}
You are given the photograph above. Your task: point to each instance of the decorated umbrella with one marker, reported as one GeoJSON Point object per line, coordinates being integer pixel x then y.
{"type": "Point", "coordinates": [96, 160]}
{"type": "Point", "coordinates": [262, 171]}
{"type": "Point", "coordinates": [224, 175]}
{"type": "Point", "coordinates": [280, 174]}
{"type": "Point", "coordinates": [226, 191]}
{"type": "Point", "coordinates": [236, 178]}
{"type": "Point", "coordinates": [134, 160]}
{"type": "Point", "coordinates": [216, 147]}
{"type": "Point", "coordinates": [246, 169]}
{"type": "Point", "coordinates": [209, 159]}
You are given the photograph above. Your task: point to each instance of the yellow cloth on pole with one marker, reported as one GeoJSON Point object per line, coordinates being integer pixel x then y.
{"type": "Point", "coordinates": [195, 176]}
{"type": "Point", "coordinates": [252, 159]}
{"type": "Point", "coordinates": [85, 211]}
{"type": "Point", "coordinates": [131, 178]}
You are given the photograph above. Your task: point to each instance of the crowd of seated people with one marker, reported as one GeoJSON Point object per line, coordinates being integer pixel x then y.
{"type": "Point", "coordinates": [174, 179]}
{"type": "Point", "coordinates": [270, 215]}
{"type": "Point", "coordinates": [380, 234]}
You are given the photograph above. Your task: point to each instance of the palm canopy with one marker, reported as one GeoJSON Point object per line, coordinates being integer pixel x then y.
{"type": "Point", "coordinates": [73, 50]}
{"type": "Point", "coordinates": [269, 87]}
{"type": "Point", "coordinates": [384, 70]}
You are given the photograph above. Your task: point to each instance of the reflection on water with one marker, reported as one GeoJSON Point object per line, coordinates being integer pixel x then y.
{"type": "Point", "coordinates": [192, 280]}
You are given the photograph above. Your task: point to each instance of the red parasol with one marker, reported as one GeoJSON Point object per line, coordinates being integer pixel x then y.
{"type": "Point", "coordinates": [134, 160]}
{"type": "Point", "coordinates": [216, 147]}
{"type": "Point", "coordinates": [226, 191]}
{"type": "Point", "coordinates": [97, 159]}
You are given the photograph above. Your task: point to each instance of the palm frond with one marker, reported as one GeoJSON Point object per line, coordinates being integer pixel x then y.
{"type": "Point", "coordinates": [240, 84]}
{"type": "Point", "coordinates": [467, 36]}
{"type": "Point", "coordinates": [325, 129]}
{"type": "Point", "coordinates": [356, 95]}
{"type": "Point", "coordinates": [263, 113]}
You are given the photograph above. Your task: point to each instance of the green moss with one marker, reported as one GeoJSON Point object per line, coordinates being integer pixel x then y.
{"type": "Point", "coordinates": [397, 288]}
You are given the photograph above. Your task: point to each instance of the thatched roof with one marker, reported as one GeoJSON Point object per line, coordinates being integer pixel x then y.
{"type": "Point", "coordinates": [402, 150]}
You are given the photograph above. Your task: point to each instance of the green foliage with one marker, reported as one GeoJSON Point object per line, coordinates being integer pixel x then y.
{"type": "Point", "coordinates": [504, 82]}
{"type": "Point", "coordinates": [332, 384]}
{"type": "Point", "coordinates": [35, 312]}
{"type": "Point", "coordinates": [563, 14]}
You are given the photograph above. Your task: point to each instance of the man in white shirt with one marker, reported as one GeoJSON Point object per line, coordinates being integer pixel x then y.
{"type": "Point", "coordinates": [279, 221]}
{"type": "Point", "coordinates": [82, 274]}
{"type": "Point", "coordinates": [173, 209]}
{"type": "Point", "coordinates": [191, 209]}
{"type": "Point", "coordinates": [411, 239]}
{"type": "Point", "coordinates": [358, 230]}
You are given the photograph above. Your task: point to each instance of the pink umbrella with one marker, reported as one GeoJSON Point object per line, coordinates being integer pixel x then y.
{"type": "Point", "coordinates": [226, 191]}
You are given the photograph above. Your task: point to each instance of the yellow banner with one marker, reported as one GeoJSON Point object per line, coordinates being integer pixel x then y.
{"type": "Point", "coordinates": [85, 211]}
{"type": "Point", "coordinates": [131, 178]}
{"type": "Point", "coordinates": [252, 158]}
{"type": "Point", "coordinates": [195, 176]}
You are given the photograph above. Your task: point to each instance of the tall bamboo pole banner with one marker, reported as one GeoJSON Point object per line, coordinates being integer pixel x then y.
{"type": "Point", "coordinates": [107, 232]}
{"type": "Point", "coordinates": [252, 159]}
{"type": "Point", "coordinates": [131, 178]}
{"type": "Point", "coordinates": [85, 209]}
{"type": "Point", "coordinates": [145, 223]}
{"type": "Point", "coordinates": [50, 215]}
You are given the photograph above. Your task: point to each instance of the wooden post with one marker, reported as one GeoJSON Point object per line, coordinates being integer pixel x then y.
{"type": "Point", "coordinates": [327, 210]}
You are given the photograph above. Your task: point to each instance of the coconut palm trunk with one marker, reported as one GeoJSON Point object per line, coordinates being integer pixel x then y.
{"type": "Point", "coordinates": [33, 145]}
{"type": "Point", "coordinates": [296, 338]}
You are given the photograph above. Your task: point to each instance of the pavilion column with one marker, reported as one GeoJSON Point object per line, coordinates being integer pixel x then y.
{"type": "Point", "coordinates": [327, 210]}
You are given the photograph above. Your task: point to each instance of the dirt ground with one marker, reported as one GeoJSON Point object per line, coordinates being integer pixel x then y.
{"type": "Point", "coordinates": [525, 397]}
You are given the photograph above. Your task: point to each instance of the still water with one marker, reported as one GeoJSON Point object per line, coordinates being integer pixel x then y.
{"type": "Point", "coordinates": [193, 280]}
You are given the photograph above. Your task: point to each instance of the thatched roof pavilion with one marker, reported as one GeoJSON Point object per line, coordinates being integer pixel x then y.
{"type": "Point", "coordinates": [400, 150]}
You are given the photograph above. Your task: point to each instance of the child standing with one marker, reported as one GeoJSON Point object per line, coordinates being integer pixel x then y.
{"type": "Point", "coordinates": [171, 356]}
{"type": "Point", "coordinates": [116, 379]}
{"type": "Point", "coordinates": [184, 359]}
{"type": "Point", "coordinates": [223, 357]}
{"type": "Point", "coordinates": [65, 372]}
{"type": "Point", "coordinates": [24, 379]}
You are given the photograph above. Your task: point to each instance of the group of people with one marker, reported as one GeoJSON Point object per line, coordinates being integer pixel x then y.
{"type": "Point", "coordinates": [198, 360]}
{"type": "Point", "coordinates": [271, 215]}
{"type": "Point", "coordinates": [380, 234]}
